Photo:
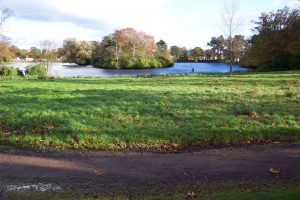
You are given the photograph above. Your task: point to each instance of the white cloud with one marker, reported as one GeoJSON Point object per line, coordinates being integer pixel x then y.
{"type": "Point", "coordinates": [148, 16]}
{"type": "Point", "coordinates": [27, 33]}
{"type": "Point", "coordinates": [278, 2]}
{"type": "Point", "coordinates": [183, 23]}
{"type": "Point", "coordinates": [294, 3]}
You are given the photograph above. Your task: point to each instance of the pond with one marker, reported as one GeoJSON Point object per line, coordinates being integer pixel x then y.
{"type": "Point", "coordinates": [72, 70]}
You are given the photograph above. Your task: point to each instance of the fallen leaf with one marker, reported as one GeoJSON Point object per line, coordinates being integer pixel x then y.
{"type": "Point", "coordinates": [274, 170]}
{"type": "Point", "coordinates": [97, 173]}
{"type": "Point", "coordinates": [191, 194]}
{"type": "Point", "coordinates": [7, 134]}
{"type": "Point", "coordinates": [175, 146]}
{"type": "Point", "coordinates": [255, 115]}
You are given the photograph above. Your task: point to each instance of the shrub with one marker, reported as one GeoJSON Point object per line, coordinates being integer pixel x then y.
{"type": "Point", "coordinates": [132, 62]}
{"type": "Point", "coordinates": [36, 70]}
{"type": "Point", "coordinates": [165, 62]}
{"type": "Point", "coordinates": [10, 72]}
{"type": "Point", "coordinates": [8, 59]}
{"type": "Point", "coordinates": [294, 62]}
{"type": "Point", "coordinates": [245, 108]}
{"type": "Point", "coordinates": [291, 94]}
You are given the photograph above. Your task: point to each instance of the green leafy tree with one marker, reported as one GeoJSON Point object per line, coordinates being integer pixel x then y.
{"type": "Point", "coordinates": [16, 52]}
{"type": "Point", "coordinates": [161, 46]}
{"type": "Point", "coordinates": [197, 53]}
{"type": "Point", "coordinates": [208, 54]}
{"type": "Point", "coordinates": [4, 51]}
{"type": "Point", "coordinates": [79, 52]}
{"type": "Point", "coordinates": [179, 53]}
{"type": "Point", "coordinates": [217, 44]}
{"type": "Point", "coordinates": [162, 50]}
{"type": "Point", "coordinates": [235, 48]}
{"type": "Point", "coordinates": [276, 42]}
{"type": "Point", "coordinates": [35, 53]}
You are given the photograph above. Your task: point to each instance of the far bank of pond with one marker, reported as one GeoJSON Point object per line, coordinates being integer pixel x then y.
{"type": "Point", "coordinates": [72, 70]}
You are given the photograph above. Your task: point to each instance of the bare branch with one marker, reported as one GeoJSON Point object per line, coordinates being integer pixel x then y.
{"type": "Point", "coordinates": [230, 26]}
{"type": "Point", "coordinates": [49, 54]}
{"type": "Point", "coordinates": [4, 15]}
{"type": "Point", "coordinates": [230, 20]}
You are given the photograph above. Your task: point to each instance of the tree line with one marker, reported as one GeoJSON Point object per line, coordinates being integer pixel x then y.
{"type": "Point", "coordinates": [124, 49]}
{"type": "Point", "coordinates": [274, 45]}
{"type": "Point", "coordinates": [276, 41]}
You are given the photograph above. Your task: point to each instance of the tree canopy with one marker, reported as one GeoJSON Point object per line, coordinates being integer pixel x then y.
{"type": "Point", "coordinates": [276, 41]}
{"type": "Point", "coordinates": [128, 49]}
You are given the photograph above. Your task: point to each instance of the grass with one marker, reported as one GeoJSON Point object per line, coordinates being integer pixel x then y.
{"type": "Point", "coordinates": [150, 112]}
{"type": "Point", "coordinates": [212, 191]}
{"type": "Point", "coordinates": [290, 194]}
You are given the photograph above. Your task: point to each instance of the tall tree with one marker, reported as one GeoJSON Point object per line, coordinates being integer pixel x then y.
{"type": "Point", "coordinates": [18, 52]}
{"type": "Point", "coordinates": [179, 53]}
{"type": "Point", "coordinates": [4, 45]}
{"type": "Point", "coordinates": [35, 53]}
{"type": "Point", "coordinates": [230, 25]}
{"type": "Point", "coordinates": [218, 45]}
{"type": "Point", "coordinates": [4, 14]}
{"type": "Point", "coordinates": [49, 54]}
{"type": "Point", "coordinates": [237, 47]}
{"type": "Point", "coordinates": [161, 46]}
{"type": "Point", "coordinates": [276, 40]}
{"type": "Point", "coordinates": [128, 48]}
{"type": "Point", "coordinates": [134, 43]}
{"type": "Point", "coordinates": [208, 54]}
{"type": "Point", "coordinates": [197, 53]}
{"type": "Point", "coordinates": [70, 48]}
{"type": "Point", "coordinates": [79, 52]}
{"type": "Point", "coordinates": [5, 53]}
{"type": "Point", "coordinates": [162, 50]}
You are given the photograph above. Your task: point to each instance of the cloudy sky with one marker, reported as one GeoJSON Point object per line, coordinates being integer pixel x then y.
{"type": "Point", "coordinates": [187, 23]}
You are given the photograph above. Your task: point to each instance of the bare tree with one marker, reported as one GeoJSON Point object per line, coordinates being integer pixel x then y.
{"type": "Point", "coordinates": [230, 25]}
{"type": "Point", "coordinates": [4, 14]}
{"type": "Point", "coordinates": [49, 54]}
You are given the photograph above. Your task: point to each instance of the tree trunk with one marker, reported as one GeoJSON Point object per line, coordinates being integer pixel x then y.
{"type": "Point", "coordinates": [230, 64]}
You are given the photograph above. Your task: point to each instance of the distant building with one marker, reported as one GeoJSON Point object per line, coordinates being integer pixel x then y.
{"type": "Point", "coordinates": [17, 59]}
{"type": "Point", "coordinates": [29, 59]}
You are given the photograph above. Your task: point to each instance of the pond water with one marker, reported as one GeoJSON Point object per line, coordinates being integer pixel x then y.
{"type": "Point", "coordinates": [72, 70]}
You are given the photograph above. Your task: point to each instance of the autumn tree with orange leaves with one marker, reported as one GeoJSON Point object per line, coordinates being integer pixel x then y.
{"type": "Point", "coordinates": [129, 49]}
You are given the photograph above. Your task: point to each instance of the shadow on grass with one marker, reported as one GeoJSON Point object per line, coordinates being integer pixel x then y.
{"type": "Point", "coordinates": [130, 118]}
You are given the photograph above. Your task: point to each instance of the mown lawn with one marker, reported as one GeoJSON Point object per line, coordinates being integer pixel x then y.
{"type": "Point", "coordinates": [150, 112]}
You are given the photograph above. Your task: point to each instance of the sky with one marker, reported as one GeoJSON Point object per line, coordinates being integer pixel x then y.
{"type": "Point", "coordinates": [188, 23]}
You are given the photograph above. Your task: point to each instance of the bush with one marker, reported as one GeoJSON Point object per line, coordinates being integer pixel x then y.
{"type": "Point", "coordinates": [132, 62]}
{"type": "Point", "coordinates": [245, 108]}
{"type": "Point", "coordinates": [294, 62]}
{"type": "Point", "coordinates": [10, 72]}
{"type": "Point", "coordinates": [165, 62]}
{"type": "Point", "coordinates": [36, 70]}
{"type": "Point", "coordinates": [7, 59]}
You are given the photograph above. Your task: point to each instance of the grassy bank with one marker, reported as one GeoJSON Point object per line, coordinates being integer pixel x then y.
{"type": "Point", "coordinates": [154, 112]}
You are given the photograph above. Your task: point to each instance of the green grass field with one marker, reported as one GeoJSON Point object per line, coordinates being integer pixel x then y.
{"type": "Point", "coordinates": [150, 112]}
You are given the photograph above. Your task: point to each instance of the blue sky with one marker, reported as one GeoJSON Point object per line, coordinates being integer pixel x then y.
{"type": "Point", "coordinates": [187, 23]}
